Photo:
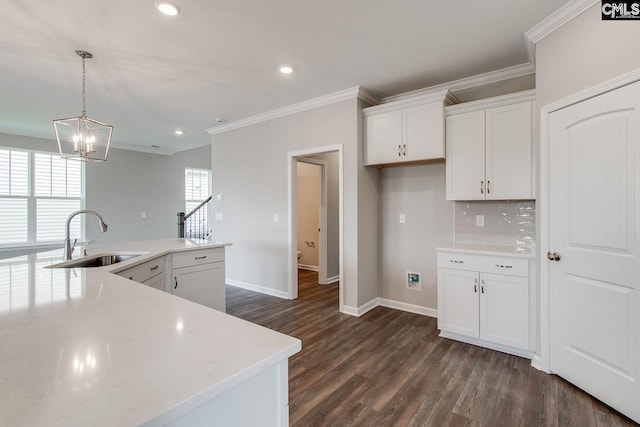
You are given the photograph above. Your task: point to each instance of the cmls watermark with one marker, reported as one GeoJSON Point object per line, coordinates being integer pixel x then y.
{"type": "Point", "coordinates": [618, 10]}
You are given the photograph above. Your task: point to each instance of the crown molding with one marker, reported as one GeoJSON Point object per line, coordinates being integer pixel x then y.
{"type": "Point", "coordinates": [554, 21]}
{"type": "Point", "coordinates": [467, 82]}
{"type": "Point", "coordinates": [496, 101]}
{"type": "Point", "coordinates": [332, 98]}
{"type": "Point", "coordinates": [441, 95]}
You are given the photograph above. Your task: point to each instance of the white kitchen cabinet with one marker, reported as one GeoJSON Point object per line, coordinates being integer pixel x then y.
{"type": "Point", "coordinates": [406, 131]}
{"type": "Point", "coordinates": [485, 300]}
{"type": "Point", "coordinates": [199, 276]}
{"type": "Point", "coordinates": [150, 273]}
{"type": "Point", "coordinates": [489, 149]}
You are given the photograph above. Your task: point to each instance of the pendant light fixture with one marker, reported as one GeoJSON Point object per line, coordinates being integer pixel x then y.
{"type": "Point", "coordinates": [83, 138]}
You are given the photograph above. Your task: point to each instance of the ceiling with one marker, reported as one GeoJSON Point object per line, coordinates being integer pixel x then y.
{"type": "Point", "coordinates": [219, 59]}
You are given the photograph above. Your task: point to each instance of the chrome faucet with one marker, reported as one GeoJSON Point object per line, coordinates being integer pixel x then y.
{"type": "Point", "coordinates": [68, 247]}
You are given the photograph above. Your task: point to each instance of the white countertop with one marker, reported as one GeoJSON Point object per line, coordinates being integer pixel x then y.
{"type": "Point", "coordinates": [87, 347]}
{"type": "Point", "coordinates": [501, 250]}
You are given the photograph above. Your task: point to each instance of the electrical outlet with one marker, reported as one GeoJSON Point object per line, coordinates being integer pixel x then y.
{"type": "Point", "coordinates": [402, 218]}
{"type": "Point", "coordinates": [219, 196]}
{"type": "Point", "coordinates": [219, 216]}
{"type": "Point", "coordinates": [479, 220]}
{"type": "Point", "coordinates": [413, 281]}
{"type": "Point", "coordinates": [143, 214]}
{"type": "Point", "coordinates": [276, 217]}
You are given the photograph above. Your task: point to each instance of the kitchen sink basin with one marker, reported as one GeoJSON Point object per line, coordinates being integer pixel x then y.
{"type": "Point", "coordinates": [95, 261]}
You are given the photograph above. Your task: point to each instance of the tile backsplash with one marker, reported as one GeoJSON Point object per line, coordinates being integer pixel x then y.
{"type": "Point", "coordinates": [506, 223]}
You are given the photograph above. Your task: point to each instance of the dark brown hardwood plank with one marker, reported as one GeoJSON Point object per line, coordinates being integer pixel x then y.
{"type": "Point", "coordinates": [390, 368]}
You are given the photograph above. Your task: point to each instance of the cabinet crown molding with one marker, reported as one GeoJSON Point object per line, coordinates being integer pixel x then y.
{"type": "Point", "coordinates": [441, 95]}
{"type": "Point", "coordinates": [497, 101]}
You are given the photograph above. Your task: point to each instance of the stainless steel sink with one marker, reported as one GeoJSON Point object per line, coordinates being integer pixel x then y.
{"type": "Point", "coordinates": [94, 261]}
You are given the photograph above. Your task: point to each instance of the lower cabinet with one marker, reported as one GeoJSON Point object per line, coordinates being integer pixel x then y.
{"type": "Point", "coordinates": [485, 300]}
{"type": "Point", "coordinates": [199, 276]}
{"type": "Point", "coordinates": [150, 273]}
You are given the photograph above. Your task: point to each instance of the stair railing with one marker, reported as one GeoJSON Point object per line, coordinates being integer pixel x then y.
{"type": "Point", "coordinates": [195, 224]}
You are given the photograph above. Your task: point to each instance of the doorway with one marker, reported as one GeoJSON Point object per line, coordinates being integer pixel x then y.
{"type": "Point", "coordinates": [311, 175]}
{"type": "Point", "coordinates": [327, 239]}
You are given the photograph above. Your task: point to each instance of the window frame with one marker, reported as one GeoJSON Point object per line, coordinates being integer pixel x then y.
{"type": "Point", "coordinates": [32, 202]}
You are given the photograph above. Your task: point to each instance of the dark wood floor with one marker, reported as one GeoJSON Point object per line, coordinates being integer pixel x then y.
{"type": "Point", "coordinates": [390, 368]}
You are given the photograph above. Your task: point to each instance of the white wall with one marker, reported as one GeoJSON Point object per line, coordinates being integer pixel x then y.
{"type": "Point", "coordinates": [419, 193]}
{"type": "Point", "coordinates": [583, 53]}
{"type": "Point", "coordinates": [309, 197]}
{"type": "Point", "coordinates": [128, 183]}
{"type": "Point", "coordinates": [131, 182]}
{"type": "Point", "coordinates": [250, 169]}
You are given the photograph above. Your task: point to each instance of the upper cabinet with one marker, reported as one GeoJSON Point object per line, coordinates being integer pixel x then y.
{"type": "Point", "coordinates": [489, 149]}
{"type": "Point", "coordinates": [406, 131]}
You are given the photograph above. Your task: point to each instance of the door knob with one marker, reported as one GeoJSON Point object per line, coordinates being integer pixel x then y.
{"type": "Point", "coordinates": [555, 256]}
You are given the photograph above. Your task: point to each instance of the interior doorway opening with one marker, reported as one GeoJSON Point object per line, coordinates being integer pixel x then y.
{"type": "Point", "coordinates": [315, 216]}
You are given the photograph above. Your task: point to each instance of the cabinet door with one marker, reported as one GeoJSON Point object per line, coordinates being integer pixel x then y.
{"type": "Point", "coordinates": [203, 284]}
{"type": "Point", "coordinates": [384, 138]}
{"type": "Point", "coordinates": [458, 309]}
{"type": "Point", "coordinates": [509, 152]}
{"type": "Point", "coordinates": [465, 156]}
{"type": "Point", "coordinates": [504, 309]}
{"type": "Point", "coordinates": [156, 282]}
{"type": "Point", "coordinates": [423, 132]}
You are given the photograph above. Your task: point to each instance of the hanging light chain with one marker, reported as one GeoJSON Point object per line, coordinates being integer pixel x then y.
{"type": "Point", "coordinates": [84, 82]}
{"type": "Point", "coordinates": [84, 55]}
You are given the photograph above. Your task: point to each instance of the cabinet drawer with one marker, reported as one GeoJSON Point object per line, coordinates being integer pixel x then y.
{"type": "Point", "coordinates": [145, 271]}
{"type": "Point", "coordinates": [197, 257]}
{"type": "Point", "coordinates": [484, 263]}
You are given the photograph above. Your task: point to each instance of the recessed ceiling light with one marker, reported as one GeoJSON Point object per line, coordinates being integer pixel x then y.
{"type": "Point", "coordinates": [168, 8]}
{"type": "Point", "coordinates": [285, 69]}
{"type": "Point", "coordinates": [178, 132]}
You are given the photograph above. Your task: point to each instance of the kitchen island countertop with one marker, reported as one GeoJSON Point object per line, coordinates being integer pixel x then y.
{"type": "Point", "coordinates": [88, 347]}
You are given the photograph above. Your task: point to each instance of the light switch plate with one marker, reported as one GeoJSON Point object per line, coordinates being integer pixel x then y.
{"type": "Point", "coordinates": [402, 218]}
{"type": "Point", "coordinates": [219, 216]}
{"type": "Point", "coordinates": [276, 218]}
{"type": "Point", "coordinates": [479, 220]}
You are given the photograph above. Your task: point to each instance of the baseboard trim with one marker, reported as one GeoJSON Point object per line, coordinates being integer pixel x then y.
{"type": "Point", "coordinates": [536, 362]}
{"type": "Point", "coordinates": [332, 280]}
{"type": "Point", "coordinates": [359, 311]}
{"type": "Point", "coordinates": [257, 288]}
{"type": "Point", "coordinates": [308, 267]}
{"type": "Point", "coordinates": [411, 308]}
{"type": "Point", "coordinates": [388, 303]}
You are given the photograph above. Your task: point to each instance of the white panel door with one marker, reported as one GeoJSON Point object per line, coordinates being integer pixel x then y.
{"type": "Point", "coordinates": [595, 229]}
{"type": "Point", "coordinates": [465, 156]}
{"type": "Point", "coordinates": [504, 309]}
{"type": "Point", "coordinates": [508, 152]}
{"type": "Point", "coordinates": [458, 308]}
{"type": "Point", "coordinates": [423, 128]}
{"type": "Point", "coordinates": [384, 138]}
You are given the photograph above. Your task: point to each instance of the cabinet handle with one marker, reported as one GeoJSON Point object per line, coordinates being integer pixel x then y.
{"type": "Point", "coordinates": [475, 286]}
{"type": "Point", "coordinates": [155, 267]}
{"type": "Point", "coordinates": [481, 187]}
{"type": "Point", "coordinates": [201, 257]}
{"type": "Point", "coordinates": [482, 286]}
{"type": "Point", "coordinates": [456, 261]}
{"type": "Point", "coordinates": [176, 285]}
{"type": "Point", "coordinates": [404, 149]}
{"type": "Point", "coordinates": [504, 266]}
{"type": "Point", "coordinates": [488, 187]}
{"type": "Point", "coordinates": [131, 278]}
{"type": "Point", "coordinates": [399, 150]}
